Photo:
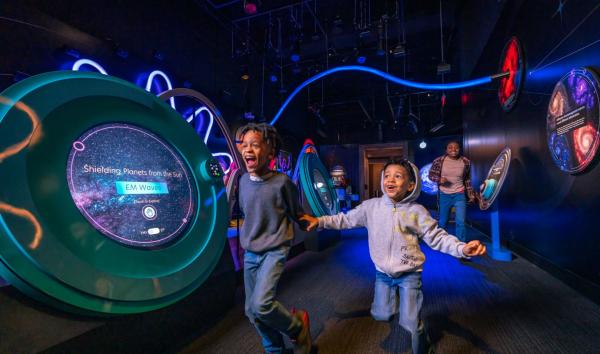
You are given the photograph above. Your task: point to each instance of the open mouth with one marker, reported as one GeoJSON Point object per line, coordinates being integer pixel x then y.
{"type": "Point", "coordinates": [390, 188]}
{"type": "Point", "coordinates": [250, 161]}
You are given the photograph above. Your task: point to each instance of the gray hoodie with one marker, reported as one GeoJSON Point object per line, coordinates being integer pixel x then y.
{"type": "Point", "coordinates": [394, 230]}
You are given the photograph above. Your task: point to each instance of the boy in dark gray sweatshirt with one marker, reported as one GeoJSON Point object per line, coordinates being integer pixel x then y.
{"type": "Point", "coordinates": [270, 202]}
{"type": "Point", "coordinates": [395, 224]}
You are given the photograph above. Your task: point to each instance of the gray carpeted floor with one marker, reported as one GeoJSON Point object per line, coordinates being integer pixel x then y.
{"type": "Point", "coordinates": [482, 306]}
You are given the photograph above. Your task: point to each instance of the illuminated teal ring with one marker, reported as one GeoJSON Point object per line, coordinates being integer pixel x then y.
{"type": "Point", "coordinates": [98, 275]}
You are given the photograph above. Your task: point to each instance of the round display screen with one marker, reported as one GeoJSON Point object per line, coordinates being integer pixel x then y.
{"type": "Point", "coordinates": [131, 185]}
{"type": "Point", "coordinates": [573, 120]}
{"type": "Point", "coordinates": [321, 187]}
{"type": "Point", "coordinates": [427, 185]}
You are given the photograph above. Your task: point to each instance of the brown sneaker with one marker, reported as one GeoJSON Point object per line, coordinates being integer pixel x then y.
{"type": "Point", "coordinates": [303, 342]}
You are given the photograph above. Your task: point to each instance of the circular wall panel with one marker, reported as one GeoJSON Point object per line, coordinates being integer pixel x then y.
{"type": "Point", "coordinates": [427, 185]}
{"type": "Point", "coordinates": [491, 186]}
{"type": "Point", "coordinates": [512, 61]}
{"type": "Point", "coordinates": [572, 120]}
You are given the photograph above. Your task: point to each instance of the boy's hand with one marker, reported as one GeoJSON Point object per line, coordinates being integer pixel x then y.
{"type": "Point", "coordinates": [309, 221]}
{"type": "Point", "coordinates": [472, 198]}
{"type": "Point", "coordinates": [474, 248]}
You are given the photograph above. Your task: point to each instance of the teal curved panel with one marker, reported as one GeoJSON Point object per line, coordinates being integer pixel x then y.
{"type": "Point", "coordinates": [316, 183]}
{"type": "Point", "coordinates": [111, 203]}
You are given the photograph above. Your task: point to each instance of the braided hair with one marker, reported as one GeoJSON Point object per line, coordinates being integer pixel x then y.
{"type": "Point", "coordinates": [268, 132]}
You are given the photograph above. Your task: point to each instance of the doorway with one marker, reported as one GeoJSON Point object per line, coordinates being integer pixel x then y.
{"type": "Point", "coordinates": [372, 158]}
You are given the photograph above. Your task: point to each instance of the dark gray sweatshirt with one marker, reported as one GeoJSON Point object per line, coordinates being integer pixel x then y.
{"type": "Point", "coordinates": [270, 206]}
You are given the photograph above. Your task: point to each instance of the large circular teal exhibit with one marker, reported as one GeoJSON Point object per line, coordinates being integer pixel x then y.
{"type": "Point", "coordinates": [110, 202]}
{"type": "Point", "coordinates": [316, 183]}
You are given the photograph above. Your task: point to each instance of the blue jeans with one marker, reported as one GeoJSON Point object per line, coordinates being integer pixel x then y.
{"type": "Point", "coordinates": [407, 289]}
{"type": "Point", "coordinates": [459, 202]}
{"type": "Point", "coordinates": [261, 275]}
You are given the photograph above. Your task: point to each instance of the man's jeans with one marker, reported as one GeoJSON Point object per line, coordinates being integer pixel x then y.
{"type": "Point", "coordinates": [261, 275]}
{"type": "Point", "coordinates": [401, 295]}
{"type": "Point", "coordinates": [459, 202]}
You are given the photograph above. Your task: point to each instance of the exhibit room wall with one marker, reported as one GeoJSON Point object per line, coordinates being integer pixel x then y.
{"type": "Point", "coordinates": [546, 215]}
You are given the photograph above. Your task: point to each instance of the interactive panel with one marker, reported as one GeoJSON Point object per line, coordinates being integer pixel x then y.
{"type": "Point", "coordinates": [110, 202]}
{"type": "Point", "coordinates": [428, 186]}
{"type": "Point", "coordinates": [492, 185]}
{"type": "Point", "coordinates": [146, 203]}
{"type": "Point", "coordinates": [573, 119]}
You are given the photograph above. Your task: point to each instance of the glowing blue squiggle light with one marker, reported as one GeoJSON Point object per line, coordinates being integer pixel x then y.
{"type": "Point", "coordinates": [166, 78]}
{"type": "Point", "coordinates": [79, 63]}
{"type": "Point", "coordinates": [397, 80]}
{"type": "Point", "coordinates": [210, 123]}
{"type": "Point", "coordinates": [227, 156]}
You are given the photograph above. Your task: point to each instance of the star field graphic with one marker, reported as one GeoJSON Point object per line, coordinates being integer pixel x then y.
{"type": "Point", "coordinates": [572, 120]}
{"type": "Point", "coordinates": [131, 185]}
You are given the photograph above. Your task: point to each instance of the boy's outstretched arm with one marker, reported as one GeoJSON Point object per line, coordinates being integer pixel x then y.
{"type": "Point", "coordinates": [474, 248]}
{"type": "Point", "coordinates": [439, 240]}
{"type": "Point", "coordinates": [354, 218]}
{"type": "Point", "coordinates": [310, 222]}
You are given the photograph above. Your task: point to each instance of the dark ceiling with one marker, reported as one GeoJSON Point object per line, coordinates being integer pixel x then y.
{"type": "Point", "coordinates": [401, 37]}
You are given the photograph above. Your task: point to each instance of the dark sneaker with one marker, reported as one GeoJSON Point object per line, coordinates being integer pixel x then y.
{"type": "Point", "coordinates": [303, 342]}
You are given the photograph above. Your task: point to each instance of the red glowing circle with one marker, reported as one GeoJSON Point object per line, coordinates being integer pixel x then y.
{"type": "Point", "coordinates": [583, 141]}
{"type": "Point", "coordinates": [250, 8]}
{"type": "Point", "coordinates": [513, 63]}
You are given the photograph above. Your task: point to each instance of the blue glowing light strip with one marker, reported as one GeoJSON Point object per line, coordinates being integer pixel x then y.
{"type": "Point", "coordinates": [210, 123]}
{"type": "Point", "coordinates": [79, 63]}
{"type": "Point", "coordinates": [224, 154]}
{"type": "Point", "coordinates": [166, 78]}
{"type": "Point", "coordinates": [394, 79]}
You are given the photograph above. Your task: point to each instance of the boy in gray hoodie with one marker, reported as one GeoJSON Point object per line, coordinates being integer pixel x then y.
{"type": "Point", "coordinates": [395, 224]}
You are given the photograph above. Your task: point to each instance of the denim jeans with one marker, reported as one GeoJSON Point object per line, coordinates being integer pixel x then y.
{"type": "Point", "coordinates": [261, 275]}
{"type": "Point", "coordinates": [459, 202]}
{"type": "Point", "coordinates": [402, 295]}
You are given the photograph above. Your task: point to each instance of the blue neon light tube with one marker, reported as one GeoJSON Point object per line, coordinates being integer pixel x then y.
{"type": "Point", "coordinates": [394, 79]}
